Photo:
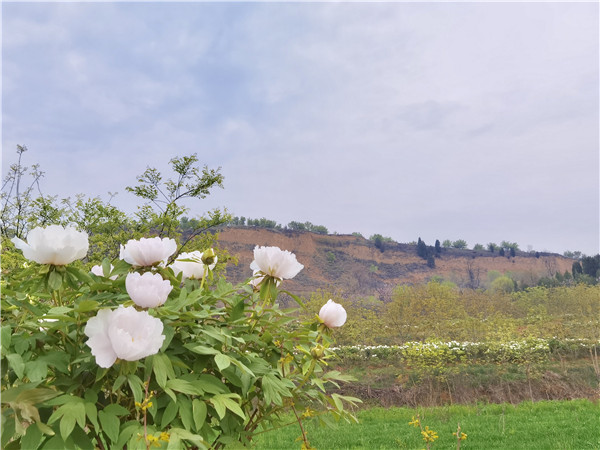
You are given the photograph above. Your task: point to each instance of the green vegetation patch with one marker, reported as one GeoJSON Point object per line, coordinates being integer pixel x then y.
{"type": "Point", "coordinates": [540, 425]}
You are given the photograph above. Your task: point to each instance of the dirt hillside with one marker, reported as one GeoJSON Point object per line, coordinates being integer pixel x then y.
{"type": "Point", "coordinates": [351, 263]}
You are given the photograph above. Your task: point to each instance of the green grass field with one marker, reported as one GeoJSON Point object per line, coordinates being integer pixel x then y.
{"type": "Point", "coordinates": [573, 424]}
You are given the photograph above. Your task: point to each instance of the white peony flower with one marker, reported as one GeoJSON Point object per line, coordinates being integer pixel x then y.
{"type": "Point", "coordinates": [191, 269]}
{"type": "Point", "coordinates": [333, 314]}
{"type": "Point", "coordinates": [123, 333]}
{"type": "Point", "coordinates": [148, 290]}
{"type": "Point", "coordinates": [147, 251]}
{"type": "Point", "coordinates": [97, 270]}
{"type": "Point", "coordinates": [258, 279]}
{"type": "Point", "coordinates": [274, 262]}
{"type": "Point", "coordinates": [53, 245]}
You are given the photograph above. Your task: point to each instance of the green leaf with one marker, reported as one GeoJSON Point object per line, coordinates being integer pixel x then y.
{"type": "Point", "coordinates": [179, 433]}
{"type": "Point", "coordinates": [161, 364]}
{"type": "Point", "coordinates": [32, 439]}
{"type": "Point", "coordinates": [16, 363]}
{"type": "Point", "coordinates": [169, 414]}
{"type": "Point", "coordinates": [119, 382]}
{"type": "Point", "coordinates": [225, 401]}
{"type": "Point", "coordinates": [199, 412]}
{"type": "Point", "coordinates": [80, 274]}
{"type": "Point", "coordinates": [92, 413]}
{"type": "Point", "coordinates": [222, 361]}
{"type": "Point", "coordinates": [36, 370]}
{"type": "Point", "coordinates": [219, 405]}
{"type": "Point", "coordinates": [210, 384]}
{"type": "Point", "coordinates": [274, 388]}
{"type": "Point", "coordinates": [184, 387]}
{"type": "Point", "coordinates": [55, 282]}
{"type": "Point", "coordinates": [116, 410]}
{"type": "Point", "coordinates": [237, 310]}
{"type": "Point", "coordinates": [110, 425]}
{"type": "Point", "coordinates": [37, 395]}
{"type": "Point", "coordinates": [202, 350]}
{"type": "Point", "coordinates": [86, 305]}
{"type": "Point", "coordinates": [45, 429]}
{"type": "Point", "coordinates": [67, 423]}
{"type": "Point", "coordinates": [135, 383]}
{"type": "Point", "coordinates": [185, 412]}
{"type": "Point", "coordinates": [5, 337]}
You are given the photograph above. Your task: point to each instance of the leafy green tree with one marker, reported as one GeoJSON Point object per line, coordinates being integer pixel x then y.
{"type": "Point", "coordinates": [502, 284]}
{"type": "Point", "coordinates": [460, 243]}
{"type": "Point", "coordinates": [591, 266]}
{"type": "Point", "coordinates": [438, 247]}
{"type": "Point", "coordinates": [447, 243]}
{"type": "Point", "coordinates": [164, 210]}
{"type": "Point", "coordinates": [478, 247]}
{"type": "Point", "coordinates": [492, 247]}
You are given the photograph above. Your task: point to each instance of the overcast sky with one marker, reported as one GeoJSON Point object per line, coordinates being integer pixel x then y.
{"type": "Point", "coordinates": [474, 121]}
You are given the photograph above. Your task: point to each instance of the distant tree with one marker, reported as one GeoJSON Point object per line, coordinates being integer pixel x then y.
{"type": "Point", "coordinates": [501, 251]}
{"type": "Point", "coordinates": [378, 241]}
{"type": "Point", "coordinates": [576, 269]}
{"type": "Point", "coordinates": [478, 247]}
{"type": "Point", "coordinates": [422, 249]}
{"type": "Point", "coordinates": [460, 243]}
{"type": "Point", "coordinates": [492, 247]}
{"type": "Point", "coordinates": [357, 234]}
{"type": "Point", "coordinates": [447, 243]}
{"type": "Point", "coordinates": [591, 266]}
{"type": "Point", "coordinates": [508, 245]}
{"type": "Point", "coordinates": [438, 247]}
{"type": "Point", "coordinates": [512, 252]}
{"type": "Point", "coordinates": [242, 221]}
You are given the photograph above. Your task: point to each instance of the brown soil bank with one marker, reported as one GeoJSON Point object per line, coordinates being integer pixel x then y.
{"type": "Point", "coordinates": [578, 381]}
{"type": "Point", "coordinates": [354, 263]}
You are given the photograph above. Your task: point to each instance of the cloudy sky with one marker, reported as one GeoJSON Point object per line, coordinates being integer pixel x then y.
{"type": "Point", "coordinates": [475, 121]}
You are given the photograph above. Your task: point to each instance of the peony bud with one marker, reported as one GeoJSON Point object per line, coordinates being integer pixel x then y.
{"type": "Point", "coordinates": [333, 314]}
{"type": "Point", "coordinates": [209, 257]}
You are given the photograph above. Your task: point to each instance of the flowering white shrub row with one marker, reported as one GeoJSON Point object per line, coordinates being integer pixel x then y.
{"type": "Point", "coordinates": [453, 351]}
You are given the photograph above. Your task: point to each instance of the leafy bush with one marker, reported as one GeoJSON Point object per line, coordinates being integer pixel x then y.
{"type": "Point", "coordinates": [232, 361]}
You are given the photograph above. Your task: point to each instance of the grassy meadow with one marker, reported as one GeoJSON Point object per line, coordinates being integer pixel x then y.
{"type": "Point", "coordinates": [573, 424]}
